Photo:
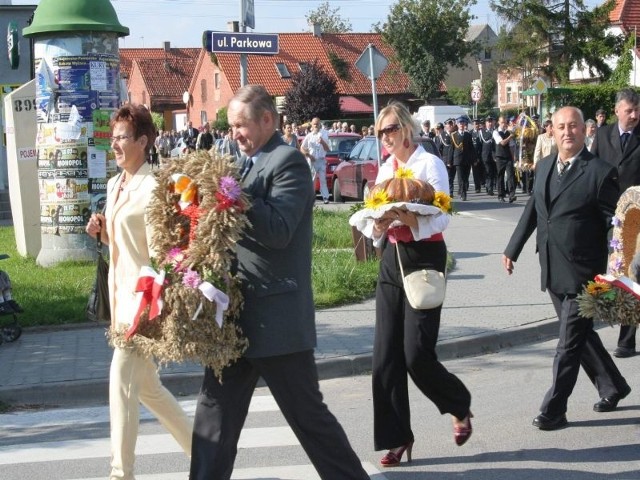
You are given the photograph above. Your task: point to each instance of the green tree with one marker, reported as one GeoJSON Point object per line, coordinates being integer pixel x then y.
{"type": "Point", "coordinates": [158, 120]}
{"type": "Point", "coordinates": [426, 36]}
{"type": "Point", "coordinates": [221, 122]}
{"type": "Point", "coordinates": [329, 19]}
{"type": "Point", "coordinates": [622, 73]}
{"type": "Point", "coordinates": [552, 36]}
{"type": "Point", "coordinates": [313, 93]}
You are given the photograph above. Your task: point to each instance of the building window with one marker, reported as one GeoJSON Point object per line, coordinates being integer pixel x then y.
{"type": "Point", "coordinates": [216, 81]}
{"type": "Point", "coordinates": [203, 117]}
{"type": "Point", "coordinates": [487, 54]}
{"type": "Point", "coordinates": [509, 94]}
{"type": "Point", "coordinates": [203, 90]}
{"type": "Point", "coordinates": [283, 70]}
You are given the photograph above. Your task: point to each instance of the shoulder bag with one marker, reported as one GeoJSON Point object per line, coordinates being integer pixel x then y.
{"type": "Point", "coordinates": [425, 289]}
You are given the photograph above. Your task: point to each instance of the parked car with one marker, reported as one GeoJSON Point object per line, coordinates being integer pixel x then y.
{"type": "Point", "coordinates": [340, 145]}
{"type": "Point", "coordinates": [180, 150]}
{"type": "Point", "coordinates": [356, 174]}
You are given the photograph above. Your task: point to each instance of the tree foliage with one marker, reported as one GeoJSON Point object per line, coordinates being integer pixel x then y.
{"type": "Point", "coordinates": [158, 120]}
{"type": "Point", "coordinates": [329, 19]}
{"type": "Point", "coordinates": [313, 93]}
{"type": "Point", "coordinates": [622, 73]}
{"type": "Point", "coordinates": [587, 98]}
{"type": "Point", "coordinates": [221, 122]}
{"type": "Point", "coordinates": [427, 37]}
{"type": "Point", "coordinates": [551, 36]}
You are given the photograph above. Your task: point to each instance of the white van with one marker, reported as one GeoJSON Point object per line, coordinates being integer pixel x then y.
{"type": "Point", "coordinates": [439, 113]}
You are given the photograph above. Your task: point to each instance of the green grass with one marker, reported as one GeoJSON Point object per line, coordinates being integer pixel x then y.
{"type": "Point", "coordinates": [58, 295]}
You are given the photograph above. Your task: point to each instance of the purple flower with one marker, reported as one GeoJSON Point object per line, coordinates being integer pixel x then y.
{"type": "Point", "coordinates": [615, 221]}
{"type": "Point", "coordinates": [616, 265]}
{"type": "Point", "coordinates": [230, 188]}
{"type": "Point", "coordinates": [615, 243]}
{"type": "Point", "coordinates": [191, 278]}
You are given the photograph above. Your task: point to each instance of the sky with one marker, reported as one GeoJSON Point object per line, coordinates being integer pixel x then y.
{"type": "Point", "coordinates": [181, 22]}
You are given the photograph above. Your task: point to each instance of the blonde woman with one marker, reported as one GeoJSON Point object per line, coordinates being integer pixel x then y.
{"type": "Point", "coordinates": [405, 338]}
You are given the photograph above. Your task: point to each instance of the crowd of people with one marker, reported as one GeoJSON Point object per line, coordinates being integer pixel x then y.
{"type": "Point", "coordinates": [577, 184]}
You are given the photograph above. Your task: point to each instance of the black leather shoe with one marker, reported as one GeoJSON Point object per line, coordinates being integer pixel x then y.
{"type": "Point", "coordinates": [512, 199]}
{"type": "Point", "coordinates": [501, 199]}
{"type": "Point", "coordinates": [5, 309]}
{"type": "Point", "coordinates": [624, 352]}
{"type": "Point", "coordinates": [609, 404]}
{"type": "Point", "coordinates": [546, 422]}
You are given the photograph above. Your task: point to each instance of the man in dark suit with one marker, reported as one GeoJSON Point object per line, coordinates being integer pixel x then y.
{"type": "Point", "coordinates": [278, 319]}
{"type": "Point", "coordinates": [574, 198]}
{"type": "Point", "coordinates": [619, 144]}
{"type": "Point", "coordinates": [190, 136]}
{"type": "Point", "coordinates": [464, 154]}
{"type": "Point", "coordinates": [502, 139]}
{"type": "Point", "coordinates": [486, 154]}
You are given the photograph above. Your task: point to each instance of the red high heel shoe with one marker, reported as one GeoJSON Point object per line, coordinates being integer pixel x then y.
{"type": "Point", "coordinates": [394, 456]}
{"type": "Point", "coordinates": [462, 433]}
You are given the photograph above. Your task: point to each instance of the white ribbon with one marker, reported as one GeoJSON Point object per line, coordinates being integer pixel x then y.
{"type": "Point", "coordinates": [212, 294]}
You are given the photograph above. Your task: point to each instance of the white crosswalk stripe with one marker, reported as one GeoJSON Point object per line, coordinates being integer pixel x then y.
{"type": "Point", "coordinates": [78, 449]}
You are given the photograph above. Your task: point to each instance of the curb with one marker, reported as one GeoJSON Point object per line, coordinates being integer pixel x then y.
{"type": "Point", "coordinates": [85, 392]}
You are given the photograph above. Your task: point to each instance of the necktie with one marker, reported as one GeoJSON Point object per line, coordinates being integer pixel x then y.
{"type": "Point", "coordinates": [562, 168]}
{"type": "Point", "coordinates": [246, 167]}
{"type": "Point", "coordinates": [624, 138]}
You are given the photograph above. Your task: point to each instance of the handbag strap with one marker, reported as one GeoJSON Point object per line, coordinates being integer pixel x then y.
{"type": "Point", "coordinates": [400, 263]}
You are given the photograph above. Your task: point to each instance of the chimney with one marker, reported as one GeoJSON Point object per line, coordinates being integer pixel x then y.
{"type": "Point", "coordinates": [167, 47]}
{"type": "Point", "coordinates": [317, 29]}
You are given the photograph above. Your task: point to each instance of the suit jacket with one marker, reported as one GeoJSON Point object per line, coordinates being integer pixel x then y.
{"type": "Point", "coordinates": [606, 145]}
{"type": "Point", "coordinates": [274, 256]}
{"type": "Point", "coordinates": [464, 152]}
{"type": "Point", "coordinates": [129, 240]}
{"type": "Point", "coordinates": [572, 225]}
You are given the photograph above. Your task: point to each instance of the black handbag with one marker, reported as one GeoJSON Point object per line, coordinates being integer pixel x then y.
{"type": "Point", "coordinates": [98, 309]}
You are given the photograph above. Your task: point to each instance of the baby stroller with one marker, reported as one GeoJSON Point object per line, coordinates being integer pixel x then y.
{"type": "Point", "coordinates": [10, 331]}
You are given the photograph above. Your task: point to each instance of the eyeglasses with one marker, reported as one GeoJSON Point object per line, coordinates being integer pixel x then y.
{"type": "Point", "coordinates": [119, 138]}
{"type": "Point", "coordinates": [389, 129]}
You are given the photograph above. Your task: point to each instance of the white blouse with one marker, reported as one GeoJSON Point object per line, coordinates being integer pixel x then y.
{"type": "Point", "coordinates": [430, 169]}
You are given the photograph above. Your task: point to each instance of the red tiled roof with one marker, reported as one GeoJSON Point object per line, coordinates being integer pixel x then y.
{"type": "Point", "coordinates": [305, 47]}
{"type": "Point", "coordinates": [627, 14]}
{"type": "Point", "coordinates": [350, 104]}
{"type": "Point", "coordinates": [180, 57]}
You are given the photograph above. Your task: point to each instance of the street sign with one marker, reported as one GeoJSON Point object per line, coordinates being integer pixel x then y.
{"type": "Point", "coordinates": [233, 42]}
{"type": "Point", "coordinates": [248, 15]}
{"type": "Point", "coordinates": [476, 94]}
{"type": "Point", "coordinates": [540, 86]}
{"type": "Point", "coordinates": [371, 61]}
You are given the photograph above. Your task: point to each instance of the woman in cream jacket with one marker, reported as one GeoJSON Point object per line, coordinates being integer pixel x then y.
{"type": "Point", "coordinates": [133, 378]}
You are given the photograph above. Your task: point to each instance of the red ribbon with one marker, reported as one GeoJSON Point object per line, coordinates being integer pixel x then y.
{"type": "Point", "coordinates": [150, 284]}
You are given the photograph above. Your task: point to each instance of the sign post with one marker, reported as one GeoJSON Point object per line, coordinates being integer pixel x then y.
{"type": "Point", "coordinates": [372, 63]}
{"type": "Point", "coordinates": [476, 96]}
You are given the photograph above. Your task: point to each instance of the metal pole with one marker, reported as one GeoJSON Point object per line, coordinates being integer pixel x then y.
{"type": "Point", "coordinates": [243, 56]}
{"type": "Point", "coordinates": [375, 98]}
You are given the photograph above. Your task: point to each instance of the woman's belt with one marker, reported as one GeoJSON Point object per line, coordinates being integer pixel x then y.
{"type": "Point", "coordinates": [403, 234]}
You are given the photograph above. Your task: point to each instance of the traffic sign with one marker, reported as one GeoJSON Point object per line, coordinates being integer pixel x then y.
{"type": "Point", "coordinates": [476, 94]}
{"type": "Point", "coordinates": [371, 61]}
{"type": "Point", "coordinates": [540, 86]}
{"type": "Point", "coordinates": [233, 42]}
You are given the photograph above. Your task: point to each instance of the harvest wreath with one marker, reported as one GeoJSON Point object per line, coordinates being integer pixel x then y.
{"type": "Point", "coordinates": [189, 299]}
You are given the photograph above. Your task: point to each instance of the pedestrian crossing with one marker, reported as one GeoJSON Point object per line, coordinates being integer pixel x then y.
{"type": "Point", "coordinates": [36, 445]}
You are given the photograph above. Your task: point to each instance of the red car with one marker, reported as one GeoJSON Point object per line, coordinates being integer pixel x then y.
{"type": "Point", "coordinates": [340, 145]}
{"type": "Point", "coordinates": [357, 173]}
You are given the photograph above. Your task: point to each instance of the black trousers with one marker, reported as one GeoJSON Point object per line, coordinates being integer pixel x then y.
{"type": "Point", "coordinates": [627, 337]}
{"type": "Point", "coordinates": [490, 170]}
{"type": "Point", "coordinates": [451, 171]}
{"type": "Point", "coordinates": [506, 174]}
{"type": "Point", "coordinates": [293, 381]}
{"type": "Point", "coordinates": [462, 171]}
{"type": "Point", "coordinates": [479, 175]}
{"type": "Point", "coordinates": [404, 343]}
{"type": "Point", "coordinates": [578, 345]}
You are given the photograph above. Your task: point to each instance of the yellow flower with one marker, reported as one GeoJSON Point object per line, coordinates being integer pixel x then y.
{"type": "Point", "coordinates": [596, 288]}
{"type": "Point", "coordinates": [376, 200]}
{"type": "Point", "coordinates": [403, 172]}
{"type": "Point", "coordinates": [442, 201]}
